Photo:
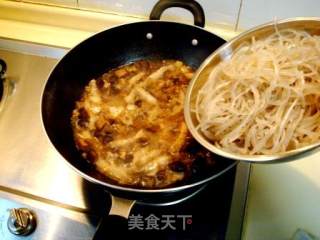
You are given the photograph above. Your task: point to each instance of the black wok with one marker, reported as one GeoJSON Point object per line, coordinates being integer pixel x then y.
{"type": "Point", "coordinates": [109, 49]}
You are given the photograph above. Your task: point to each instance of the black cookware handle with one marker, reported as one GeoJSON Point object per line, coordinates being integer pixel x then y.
{"type": "Point", "coordinates": [3, 68]}
{"type": "Point", "coordinates": [112, 227]}
{"type": "Point", "coordinates": [115, 224]}
{"type": "Point", "coordinates": [191, 5]}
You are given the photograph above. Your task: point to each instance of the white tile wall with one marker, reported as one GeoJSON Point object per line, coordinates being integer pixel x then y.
{"type": "Point", "coordinates": [255, 12]}
{"type": "Point", "coordinates": [66, 3]}
{"type": "Point", "coordinates": [218, 11]}
{"type": "Point", "coordinates": [140, 7]}
{"type": "Point", "coordinates": [221, 11]}
{"type": "Point", "coordinates": [123, 6]}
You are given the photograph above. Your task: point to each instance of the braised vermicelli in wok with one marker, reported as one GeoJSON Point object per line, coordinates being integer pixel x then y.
{"type": "Point", "coordinates": [265, 99]}
{"type": "Point", "coordinates": [129, 124]}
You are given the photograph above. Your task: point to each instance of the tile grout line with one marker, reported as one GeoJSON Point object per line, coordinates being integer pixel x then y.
{"type": "Point", "coordinates": [238, 16]}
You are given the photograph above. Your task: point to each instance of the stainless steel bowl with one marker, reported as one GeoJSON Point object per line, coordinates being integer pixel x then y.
{"type": "Point", "coordinates": [311, 25]}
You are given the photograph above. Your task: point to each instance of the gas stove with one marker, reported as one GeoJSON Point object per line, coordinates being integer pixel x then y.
{"type": "Point", "coordinates": [41, 197]}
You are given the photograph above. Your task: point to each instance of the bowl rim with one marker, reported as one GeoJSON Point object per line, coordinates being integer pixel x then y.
{"type": "Point", "coordinates": [262, 158]}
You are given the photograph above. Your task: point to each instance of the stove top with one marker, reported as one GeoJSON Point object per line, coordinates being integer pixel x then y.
{"type": "Point", "coordinates": [34, 176]}
{"type": "Point", "coordinates": [29, 162]}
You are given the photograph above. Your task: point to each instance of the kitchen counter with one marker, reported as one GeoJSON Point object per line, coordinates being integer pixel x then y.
{"type": "Point", "coordinates": [283, 198]}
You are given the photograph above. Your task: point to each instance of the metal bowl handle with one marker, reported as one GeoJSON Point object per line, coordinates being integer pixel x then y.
{"type": "Point", "coordinates": [190, 5]}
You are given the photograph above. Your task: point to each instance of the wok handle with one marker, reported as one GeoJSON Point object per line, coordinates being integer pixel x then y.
{"type": "Point", "coordinates": [121, 206]}
{"type": "Point", "coordinates": [115, 224]}
{"type": "Point", "coordinates": [191, 5]}
{"type": "Point", "coordinates": [3, 69]}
